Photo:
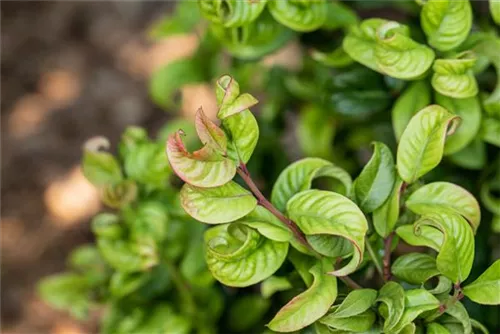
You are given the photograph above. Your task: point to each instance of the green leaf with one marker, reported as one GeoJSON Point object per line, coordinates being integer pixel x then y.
{"type": "Point", "coordinates": [149, 220]}
{"type": "Point", "coordinates": [386, 216]}
{"type": "Point", "coordinates": [99, 167]}
{"type": "Point", "coordinates": [183, 20]}
{"type": "Point", "coordinates": [163, 319]}
{"type": "Point", "coordinates": [107, 225]}
{"type": "Point", "coordinates": [231, 13]}
{"type": "Point", "coordinates": [267, 224]}
{"type": "Point", "coordinates": [415, 268]}
{"type": "Point", "coordinates": [360, 42]}
{"type": "Point", "coordinates": [209, 133]}
{"type": "Point", "coordinates": [446, 23]}
{"type": "Point", "coordinates": [392, 296]}
{"type": "Point", "coordinates": [397, 55]}
{"type": "Point", "coordinates": [66, 291]}
{"type": "Point", "coordinates": [315, 132]}
{"type": "Point", "coordinates": [120, 194]}
{"type": "Point", "coordinates": [217, 205]}
{"type": "Point", "coordinates": [426, 236]}
{"type": "Point", "coordinates": [239, 256]}
{"type": "Point", "coordinates": [458, 311]}
{"type": "Point", "coordinates": [167, 80]}
{"type": "Point", "coordinates": [246, 312]}
{"type": "Point", "coordinates": [330, 215]}
{"type": "Point", "coordinates": [495, 10]}
{"type": "Point", "coordinates": [473, 156]}
{"type": "Point", "coordinates": [203, 168]}
{"type": "Point", "coordinates": [299, 16]}
{"type": "Point", "coordinates": [127, 257]}
{"type": "Point", "coordinates": [457, 250]}
{"type": "Point", "coordinates": [436, 328]}
{"type": "Point", "coordinates": [274, 284]}
{"type": "Point", "coordinates": [310, 305]}
{"type": "Point", "coordinates": [490, 131]}
{"type": "Point", "coordinates": [375, 182]}
{"type": "Point", "coordinates": [359, 103]}
{"type": "Point", "coordinates": [299, 176]}
{"type": "Point", "coordinates": [243, 132]}
{"type": "Point", "coordinates": [469, 111]}
{"type": "Point", "coordinates": [356, 302]}
{"type": "Point", "coordinates": [421, 146]}
{"type": "Point", "coordinates": [443, 286]}
{"type": "Point", "coordinates": [148, 164]}
{"type": "Point", "coordinates": [434, 196]}
{"type": "Point", "coordinates": [414, 98]}
{"type": "Point", "coordinates": [132, 137]}
{"type": "Point", "coordinates": [486, 288]}
{"type": "Point", "coordinates": [488, 197]}
{"type": "Point", "coordinates": [417, 302]}
{"type": "Point", "coordinates": [122, 284]}
{"type": "Point", "coordinates": [337, 58]}
{"type": "Point", "coordinates": [477, 325]}
{"type": "Point", "coordinates": [357, 323]}
{"type": "Point", "coordinates": [339, 15]}
{"type": "Point", "coordinates": [455, 77]}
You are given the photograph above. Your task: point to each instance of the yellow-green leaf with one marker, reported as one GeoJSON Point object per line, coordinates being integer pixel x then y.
{"type": "Point", "coordinates": [299, 15]}
{"type": "Point", "coordinates": [415, 268]}
{"type": "Point", "coordinates": [486, 288]}
{"type": "Point", "coordinates": [455, 77]}
{"type": "Point", "coordinates": [386, 216]}
{"type": "Point", "coordinates": [392, 297]}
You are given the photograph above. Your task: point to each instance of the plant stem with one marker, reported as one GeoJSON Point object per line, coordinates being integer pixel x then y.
{"type": "Point", "coordinates": [182, 286]}
{"type": "Point", "coordinates": [350, 282]}
{"type": "Point", "coordinates": [374, 257]}
{"type": "Point", "coordinates": [457, 296]}
{"type": "Point", "coordinates": [387, 256]}
{"type": "Point", "coordinates": [262, 200]}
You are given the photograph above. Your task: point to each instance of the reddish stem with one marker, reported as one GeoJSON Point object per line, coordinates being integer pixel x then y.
{"type": "Point", "coordinates": [262, 200]}
{"type": "Point", "coordinates": [387, 256]}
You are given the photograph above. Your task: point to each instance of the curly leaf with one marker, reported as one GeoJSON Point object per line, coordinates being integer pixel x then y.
{"type": "Point", "coordinates": [386, 216]}
{"type": "Point", "coordinates": [486, 288]}
{"type": "Point", "coordinates": [455, 77]}
{"type": "Point", "coordinates": [457, 250]}
{"type": "Point", "coordinates": [415, 268]}
{"type": "Point", "coordinates": [357, 323]}
{"type": "Point", "coordinates": [427, 236]}
{"type": "Point", "coordinates": [356, 302]}
{"type": "Point", "coordinates": [209, 133]}
{"type": "Point", "coordinates": [243, 132]}
{"type": "Point", "coordinates": [239, 256]}
{"type": "Point", "coordinates": [299, 15]}
{"type": "Point", "coordinates": [421, 146]}
{"type": "Point", "coordinates": [446, 22]}
{"type": "Point", "coordinates": [310, 305]}
{"type": "Point", "coordinates": [203, 168]}
{"type": "Point", "coordinates": [443, 285]}
{"type": "Point", "coordinates": [392, 296]}
{"type": "Point", "coordinates": [267, 224]}
{"type": "Point", "coordinates": [99, 167]}
{"type": "Point", "coordinates": [375, 182]}
{"type": "Point", "coordinates": [490, 131]}
{"type": "Point", "coordinates": [469, 111]}
{"type": "Point", "coordinates": [416, 97]}
{"type": "Point", "coordinates": [436, 195]}
{"type": "Point", "coordinates": [397, 55]}
{"type": "Point", "coordinates": [167, 80]}
{"type": "Point", "coordinates": [254, 40]}
{"type": "Point", "coordinates": [328, 215]}
{"type": "Point", "coordinates": [217, 205]}
{"type": "Point", "coordinates": [417, 301]}
{"type": "Point", "coordinates": [460, 315]}
{"type": "Point", "coordinates": [299, 176]}
{"type": "Point", "coordinates": [360, 42]}
{"type": "Point", "coordinates": [231, 13]}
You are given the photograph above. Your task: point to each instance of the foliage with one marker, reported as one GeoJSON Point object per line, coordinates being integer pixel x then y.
{"type": "Point", "coordinates": [402, 247]}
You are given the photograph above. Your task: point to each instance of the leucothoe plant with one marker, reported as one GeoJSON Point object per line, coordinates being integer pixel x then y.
{"type": "Point", "coordinates": [325, 236]}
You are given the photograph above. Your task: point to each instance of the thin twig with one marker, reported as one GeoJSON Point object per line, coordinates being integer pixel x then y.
{"type": "Point", "coordinates": [350, 282]}
{"type": "Point", "coordinates": [262, 200]}
{"type": "Point", "coordinates": [387, 256]}
{"type": "Point", "coordinates": [374, 257]}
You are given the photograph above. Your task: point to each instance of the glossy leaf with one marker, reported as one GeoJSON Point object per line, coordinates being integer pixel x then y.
{"type": "Point", "coordinates": [339, 15]}
{"type": "Point", "coordinates": [356, 302]}
{"type": "Point", "coordinates": [455, 77]}
{"type": "Point", "coordinates": [298, 15]}
{"type": "Point", "coordinates": [360, 42]}
{"type": "Point", "coordinates": [239, 256]}
{"type": "Point", "coordinates": [374, 184]}
{"type": "Point", "coordinates": [415, 268]}
{"type": "Point", "coordinates": [457, 251]}
{"type": "Point", "coordinates": [417, 302]}
{"type": "Point", "coordinates": [357, 323]}
{"type": "Point", "coordinates": [386, 216]}
{"type": "Point", "coordinates": [422, 143]}
{"type": "Point", "coordinates": [426, 236]}
{"type": "Point", "coordinates": [203, 168]}
{"type": "Point", "coordinates": [243, 132]}
{"type": "Point", "coordinates": [274, 284]}
{"type": "Point", "coordinates": [299, 176]}
{"type": "Point", "coordinates": [458, 311]}
{"type": "Point", "coordinates": [437, 195]}
{"type": "Point", "coordinates": [392, 297]}
{"type": "Point", "coordinates": [469, 111]}
{"type": "Point", "coordinates": [416, 97]}
{"type": "Point", "coordinates": [310, 305]}
{"type": "Point", "coordinates": [267, 224]}
{"type": "Point", "coordinates": [436, 328]}
{"type": "Point", "coordinates": [217, 205]}
{"type": "Point", "coordinates": [486, 288]}
{"type": "Point", "coordinates": [209, 133]}
{"type": "Point", "coordinates": [231, 13]}
{"type": "Point", "coordinates": [330, 215]}
{"type": "Point", "coordinates": [446, 23]}
{"type": "Point", "coordinates": [397, 55]}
